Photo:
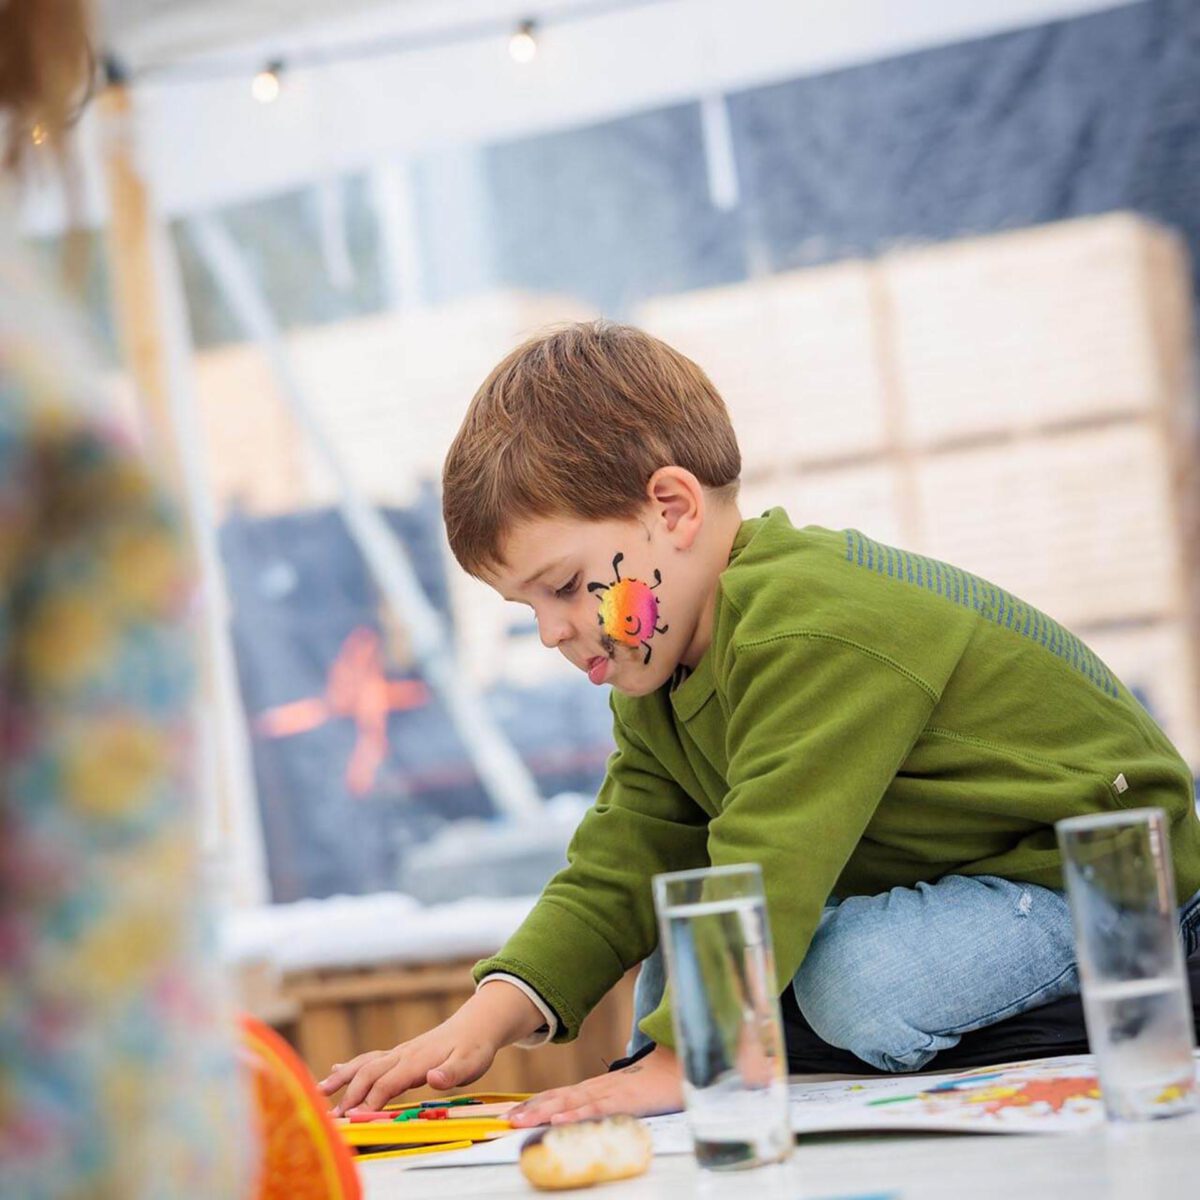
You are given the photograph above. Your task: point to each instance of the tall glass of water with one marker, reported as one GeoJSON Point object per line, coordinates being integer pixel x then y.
{"type": "Point", "coordinates": [728, 1035]}
{"type": "Point", "coordinates": [1121, 890]}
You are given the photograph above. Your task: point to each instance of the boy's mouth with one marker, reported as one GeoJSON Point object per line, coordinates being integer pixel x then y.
{"type": "Point", "coordinates": [597, 669]}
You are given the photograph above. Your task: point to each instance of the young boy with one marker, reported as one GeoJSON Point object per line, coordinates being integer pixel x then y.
{"type": "Point", "coordinates": [890, 738]}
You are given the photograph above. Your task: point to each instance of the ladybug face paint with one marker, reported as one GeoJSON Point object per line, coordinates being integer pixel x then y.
{"type": "Point", "coordinates": [628, 611]}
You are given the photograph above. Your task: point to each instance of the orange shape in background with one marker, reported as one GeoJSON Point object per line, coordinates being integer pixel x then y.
{"type": "Point", "coordinates": [301, 1155]}
{"type": "Point", "coordinates": [357, 688]}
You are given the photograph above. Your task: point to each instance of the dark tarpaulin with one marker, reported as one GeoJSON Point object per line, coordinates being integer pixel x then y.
{"type": "Point", "coordinates": [1092, 114]}
{"type": "Point", "coordinates": [355, 761]}
{"type": "Point", "coordinates": [1077, 117]}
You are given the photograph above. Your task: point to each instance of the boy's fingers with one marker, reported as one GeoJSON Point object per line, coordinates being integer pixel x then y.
{"type": "Point", "coordinates": [457, 1068]}
{"type": "Point", "coordinates": [540, 1109]}
{"type": "Point", "coordinates": [363, 1082]}
{"type": "Point", "coordinates": [343, 1072]}
{"type": "Point", "coordinates": [340, 1073]}
{"type": "Point", "coordinates": [392, 1083]}
{"type": "Point", "coordinates": [584, 1112]}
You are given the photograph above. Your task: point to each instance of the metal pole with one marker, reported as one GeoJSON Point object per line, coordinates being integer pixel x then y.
{"type": "Point", "coordinates": [152, 313]}
{"type": "Point", "coordinates": [504, 776]}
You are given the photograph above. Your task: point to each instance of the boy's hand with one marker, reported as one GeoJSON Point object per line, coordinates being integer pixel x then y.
{"type": "Point", "coordinates": [445, 1057]}
{"type": "Point", "coordinates": [653, 1084]}
{"type": "Point", "coordinates": [455, 1052]}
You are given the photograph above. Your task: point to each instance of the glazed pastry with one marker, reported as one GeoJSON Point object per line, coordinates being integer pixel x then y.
{"type": "Point", "coordinates": [569, 1156]}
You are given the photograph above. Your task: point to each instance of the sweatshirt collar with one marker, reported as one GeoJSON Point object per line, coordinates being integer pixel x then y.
{"type": "Point", "coordinates": [689, 696]}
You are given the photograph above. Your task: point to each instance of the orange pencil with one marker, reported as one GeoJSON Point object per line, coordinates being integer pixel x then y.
{"type": "Point", "coordinates": [470, 1112]}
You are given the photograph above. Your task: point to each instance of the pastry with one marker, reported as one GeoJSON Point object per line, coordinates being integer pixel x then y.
{"type": "Point", "coordinates": [569, 1156]}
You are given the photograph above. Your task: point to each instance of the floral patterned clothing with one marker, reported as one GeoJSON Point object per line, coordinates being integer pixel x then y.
{"type": "Point", "coordinates": [117, 1067]}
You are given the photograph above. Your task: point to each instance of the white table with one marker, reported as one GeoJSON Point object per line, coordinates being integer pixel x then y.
{"type": "Point", "coordinates": [1161, 1159]}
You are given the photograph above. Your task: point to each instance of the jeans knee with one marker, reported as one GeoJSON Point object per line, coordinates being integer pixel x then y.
{"type": "Point", "coordinates": [854, 1002]}
{"type": "Point", "coordinates": [872, 1029]}
{"type": "Point", "coordinates": [833, 992]}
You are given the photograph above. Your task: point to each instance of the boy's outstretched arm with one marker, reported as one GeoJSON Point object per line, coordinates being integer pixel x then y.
{"type": "Point", "coordinates": [651, 1085]}
{"type": "Point", "coordinates": [455, 1052]}
{"type": "Point", "coordinates": [594, 921]}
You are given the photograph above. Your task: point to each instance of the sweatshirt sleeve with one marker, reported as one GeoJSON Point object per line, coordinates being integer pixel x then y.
{"type": "Point", "coordinates": [817, 729]}
{"type": "Point", "coordinates": [595, 919]}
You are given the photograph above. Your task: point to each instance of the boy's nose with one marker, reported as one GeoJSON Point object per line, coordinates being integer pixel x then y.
{"type": "Point", "coordinates": [552, 631]}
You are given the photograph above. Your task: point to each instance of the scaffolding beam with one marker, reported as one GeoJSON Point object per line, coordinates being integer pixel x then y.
{"type": "Point", "coordinates": [503, 774]}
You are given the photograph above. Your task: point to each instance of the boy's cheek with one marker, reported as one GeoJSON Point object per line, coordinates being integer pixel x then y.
{"type": "Point", "coordinates": [637, 680]}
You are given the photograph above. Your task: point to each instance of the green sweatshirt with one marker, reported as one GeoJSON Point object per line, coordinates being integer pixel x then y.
{"type": "Point", "coordinates": [864, 719]}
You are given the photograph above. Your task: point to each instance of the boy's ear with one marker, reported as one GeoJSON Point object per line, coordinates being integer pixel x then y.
{"type": "Point", "coordinates": [676, 497]}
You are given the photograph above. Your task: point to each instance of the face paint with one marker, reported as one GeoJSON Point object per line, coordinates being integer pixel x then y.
{"type": "Point", "coordinates": [628, 611]}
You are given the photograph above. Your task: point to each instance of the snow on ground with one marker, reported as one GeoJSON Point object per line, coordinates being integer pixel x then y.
{"type": "Point", "coordinates": [352, 931]}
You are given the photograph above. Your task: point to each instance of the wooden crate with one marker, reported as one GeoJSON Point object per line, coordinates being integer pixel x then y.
{"type": "Point", "coordinates": [856, 497]}
{"type": "Point", "coordinates": [390, 389]}
{"type": "Point", "coordinates": [1021, 330]}
{"type": "Point", "coordinates": [343, 1012]}
{"type": "Point", "coordinates": [793, 357]}
{"type": "Point", "coordinates": [1080, 524]}
{"type": "Point", "coordinates": [253, 449]}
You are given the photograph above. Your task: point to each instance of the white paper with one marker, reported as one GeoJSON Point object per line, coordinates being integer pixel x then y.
{"type": "Point", "coordinates": [669, 1133]}
{"type": "Point", "coordinates": [1048, 1095]}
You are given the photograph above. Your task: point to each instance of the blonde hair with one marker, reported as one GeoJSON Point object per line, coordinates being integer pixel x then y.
{"type": "Point", "coordinates": [573, 423]}
{"type": "Point", "coordinates": [46, 72]}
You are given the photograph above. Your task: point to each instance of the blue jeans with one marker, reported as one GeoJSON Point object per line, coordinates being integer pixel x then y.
{"type": "Point", "coordinates": [898, 977]}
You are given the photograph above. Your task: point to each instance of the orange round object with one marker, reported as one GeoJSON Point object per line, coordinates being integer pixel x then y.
{"type": "Point", "coordinates": [302, 1157]}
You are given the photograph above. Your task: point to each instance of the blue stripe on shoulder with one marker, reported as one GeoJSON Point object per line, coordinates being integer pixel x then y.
{"type": "Point", "coordinates": [990, 602]}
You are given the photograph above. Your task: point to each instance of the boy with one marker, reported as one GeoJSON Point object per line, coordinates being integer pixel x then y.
{"type": "Point", "coordinates": [890, 738]}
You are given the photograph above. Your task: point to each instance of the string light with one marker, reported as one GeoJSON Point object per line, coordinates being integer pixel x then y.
{"type": "Point", "coordinates": [522, 46]}
{"type": "Point", "coordinates": [267, 84]}
{"type": "Point", "coordinates": [37, 135]}
{"type": "Point", "coordinates": [489, 29]}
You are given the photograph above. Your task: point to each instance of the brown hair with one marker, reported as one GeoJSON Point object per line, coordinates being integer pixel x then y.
{"type": "Point", "coordinates": [46, 69]}
{"type": "Point", "coordinates": [573, 423]}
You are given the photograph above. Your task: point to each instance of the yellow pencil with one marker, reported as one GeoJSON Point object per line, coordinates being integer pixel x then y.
{"type": "Point", "coordinates": [413, 1150]}
{"type": "Point", "coordinates": [482, 1097]}
{"type": "Point", "coordinates": [399, 1133]}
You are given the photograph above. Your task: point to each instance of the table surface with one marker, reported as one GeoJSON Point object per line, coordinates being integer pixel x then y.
{"type": "Point", "coordinates": [1160, 1158]}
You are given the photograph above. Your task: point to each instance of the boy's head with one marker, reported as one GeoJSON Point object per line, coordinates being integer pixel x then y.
{"type": "Point", "coordinates": [594, 478]}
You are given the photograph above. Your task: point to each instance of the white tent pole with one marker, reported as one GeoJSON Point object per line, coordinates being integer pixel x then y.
{"type": "Point", "coordinates": [391, 185]}
{"type": "Point", "coordinates": [245, 836]}
{"type": "Point", "coordinates": [148, 298]}
{"type": "Point", "coordinates": [503, 774]}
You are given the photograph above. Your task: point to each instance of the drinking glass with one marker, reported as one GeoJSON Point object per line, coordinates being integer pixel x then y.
{"type": "Point", "coordinates": [1121, 891]}
{"type": "Point", "coordinates": [725, 1011]}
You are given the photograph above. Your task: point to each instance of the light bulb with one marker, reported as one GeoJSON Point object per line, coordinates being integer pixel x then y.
{"type": "Point", "coordinates": [522, 46]}
{"type": "Point", "coordinates": [37, 135]}
{"type": "Point", "coordinates": [266, 85]}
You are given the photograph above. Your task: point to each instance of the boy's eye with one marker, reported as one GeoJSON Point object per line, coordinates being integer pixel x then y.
{"type": "Point", "coordinates": [568, 588]}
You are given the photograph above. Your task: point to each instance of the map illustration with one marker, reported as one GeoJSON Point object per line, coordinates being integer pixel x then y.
{"type": "Point", "coordinates": [1051, 1095]}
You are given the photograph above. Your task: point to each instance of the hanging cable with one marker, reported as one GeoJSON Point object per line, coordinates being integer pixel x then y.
{"type": "Point", "coordinates": [501, 28]}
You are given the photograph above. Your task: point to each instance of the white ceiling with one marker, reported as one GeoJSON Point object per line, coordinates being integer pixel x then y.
{"type": "Point", "coordinates": [404, 76]}
{"type": "Point", "coordinates": [149, 31]}
{"type": "Point", "coordinates": [151, 34]}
